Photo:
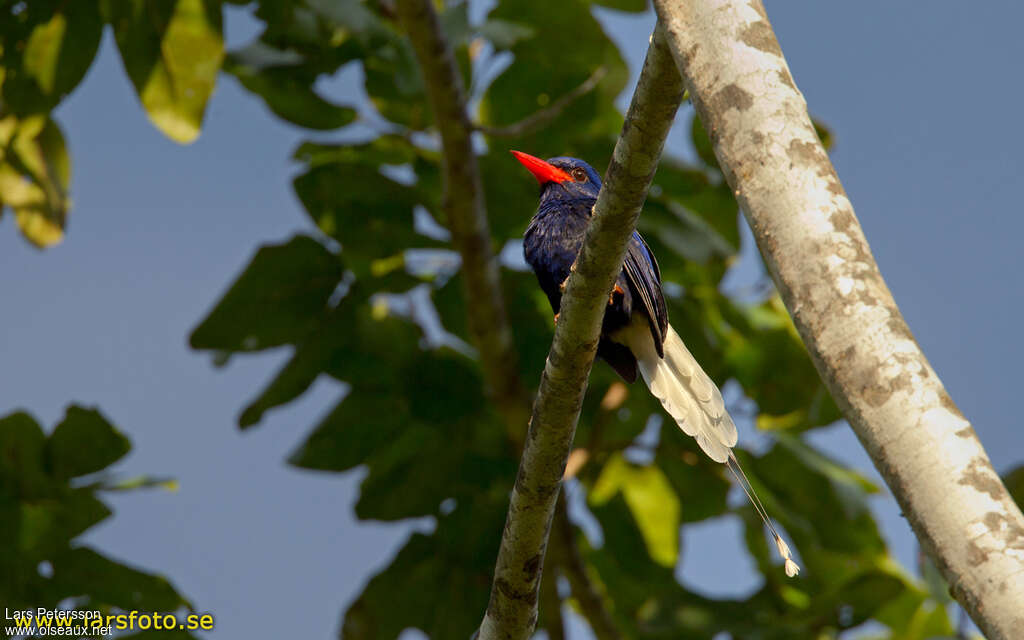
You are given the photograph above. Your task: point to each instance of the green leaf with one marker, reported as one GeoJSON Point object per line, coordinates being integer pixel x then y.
{"type": "Point", "coordinates": [613, 415]}
{"type": "Point", "coordinates": [423, 467]}
{"type": "Point", "coordinates": [442, 578]}
{"type": "Point", "coordinates": [354, 342]}
{"type": "Point", "coordinates": [504, 33]}
{"type": "Point", "coordinates": [651, 500]}
{"type": "Point", "coordinates": [387, 149]}
{"type": "Point", "coordinates": [34, 177]}
{"type": "Point", "coordinates": [352, 15]}
{"type": "Point", "coordinates": [49, 41]}
{"type": "Point", "coordinates": [913, 616]}
{"type": "Point", "coordinates": [704, 220]}
{"type": "Point", "coordinates": [47, 48]}
{"type": "Point", "coordinates": [546, 69]}
{"type": "Point", "coordinates": [258, 55]}
{"type": "Point", "coordinates": [84, 442]}
{"type": "Point", "coordinates": [136, 482]}
{"type": "Point", "coordinates": [1014, 481]}
{"type": "Point", "coordinates": [428, 440]}
{"type": "Point", "coordinates": [291, 96]}
{"type": "Point", "coordinates": [528, 311]}
{"type": "Point", "coordinates": [824, 465]}
{"type": "Point", "coordinates": [413, 474]}
{"type": "Point", "coordinates": [760, 340]}
{"type": "Point", "coordinates": [452, 391]}
{"type": "Point", "coordinates": [818, 511]}
{"type": "Point", "coordinates": [311, 358]}
{"type": "Point", "coordinates": [639, 589]}
{"type": "Point", "coordinates": [824, 134]}
{"type": "Point", "coordinates": [22, 455]}
{"type": "Point", "coordinates": [395, 87]}
{"type": "Point", "coordinates": [937, 586]}
{"type": "Point", "coordinates": [84, 572]}
{"type": "Point", "coordinates": [702, 143]}
{"type": "Point", "coordinates": [48, 525]}
{"type": "Point", "coordinates": [700, 484]}
{"type": "Point", "coordinates": [277, 300]}
{"type": "Point", "coordinates": [866, 595]}
{"type": "Point", "coordinates": [172, 51]}
{"type": "Point", "coordinates": [360, 424]}
{"type": "Point", "coordinates": [369, 214]}
{"type": "Point", "coordinates": [511, 193]}
{"type": "Point", "coordinates": [634, 6]}
{"type": "Point", "coordinates": [454, 19]}
{"type": "Point", "coordinates": [43, 515]}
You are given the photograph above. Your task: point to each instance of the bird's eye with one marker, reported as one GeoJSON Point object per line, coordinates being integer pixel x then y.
{"type": "Point", "coordinates": [579, 175]}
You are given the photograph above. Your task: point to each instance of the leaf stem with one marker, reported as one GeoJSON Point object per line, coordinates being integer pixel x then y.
{"type": "Point", "coordinates": [539, 119]}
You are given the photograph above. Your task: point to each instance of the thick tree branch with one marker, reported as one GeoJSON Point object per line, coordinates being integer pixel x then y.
{"type": "Point", "coordinates": [466, 213]}
{"type": "Point", "coordinates": [512, 611]}
{"type": "Point", "coordinates": [806, 229]}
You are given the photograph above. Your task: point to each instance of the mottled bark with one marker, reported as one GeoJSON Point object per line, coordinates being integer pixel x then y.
{"type": "Point", "coordinates": [512, 611]}
{"type": "Point", "coordinates": [466, 213]}
{"type": "Point", "coordinates": [817, 254]}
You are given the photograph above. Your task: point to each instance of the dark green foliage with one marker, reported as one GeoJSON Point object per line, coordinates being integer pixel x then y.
{"type": "Point", "coordinates": [288, 96]}
{"type": "Point", "coordinates": [47, 48]}
{"type": "Point", "coordinates": [44, 508]}
{"type": "Point", "coordinates": [441, 579]}
{"type": "Point", "coordinates": [415, 413]}
{"type": "Point", "coordinates": [172, 52]}
{"type": "Point", "coordinates": [1014, 481]}
{"type": "Point", "coordinates": [84, 442]}
{"type": "Point", "coordinates": [276, 301]}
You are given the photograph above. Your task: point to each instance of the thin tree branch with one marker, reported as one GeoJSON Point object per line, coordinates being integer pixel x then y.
{"type": "Point", "coordinates": [817, 254]}
{"type": "Point", "coordinates": [567, 554]}
{"type": "Point", "coordinates": [536, 120]}
{"type": "Point", "coordinates": [466, 212]}
{"type": "Point", "coordinates": [512, 611]}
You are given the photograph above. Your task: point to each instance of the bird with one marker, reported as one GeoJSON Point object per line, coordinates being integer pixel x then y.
{"type": "Point", "coordinates": [636, 336]}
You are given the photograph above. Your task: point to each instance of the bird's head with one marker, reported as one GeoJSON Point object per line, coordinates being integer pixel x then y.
{"type": "Point", "coordinates": [562, 178]}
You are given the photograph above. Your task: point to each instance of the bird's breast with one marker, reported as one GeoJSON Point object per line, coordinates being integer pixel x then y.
{"type": "Point", "coordinates": [552, 242]}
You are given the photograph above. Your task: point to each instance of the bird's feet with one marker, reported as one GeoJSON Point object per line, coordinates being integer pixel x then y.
{"type": "Point", "coordinates": [565, 283]}
{"type": "Point", "coordinates": [556, 318]}
{"type": "Point", "coordinates": [617, 291]}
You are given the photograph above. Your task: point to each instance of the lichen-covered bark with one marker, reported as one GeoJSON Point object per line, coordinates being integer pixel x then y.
{"type": "Point", "coordinates": [512, 611]}
{"type": "Point", "coordinates": [466, 213]}
{"type": "Point", "coordinates": [806, 229]}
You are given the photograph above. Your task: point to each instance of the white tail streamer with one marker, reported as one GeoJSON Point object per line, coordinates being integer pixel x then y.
{"type": "Point", "coordinates": [695, 403]}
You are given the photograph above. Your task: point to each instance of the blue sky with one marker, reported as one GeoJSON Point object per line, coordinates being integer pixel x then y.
{"type": "Point", "coordinates": [924, 104]}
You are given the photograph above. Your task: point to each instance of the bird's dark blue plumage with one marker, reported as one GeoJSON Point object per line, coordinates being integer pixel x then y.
{"type": "Point", "coordinates": [635, 335]}
{"type": "Point", "coordinates": [569, 189]}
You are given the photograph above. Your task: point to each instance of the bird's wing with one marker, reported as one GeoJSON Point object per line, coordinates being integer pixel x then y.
{"type": "Point", "coordinates": [645, 277]}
